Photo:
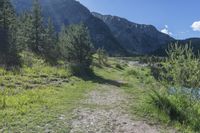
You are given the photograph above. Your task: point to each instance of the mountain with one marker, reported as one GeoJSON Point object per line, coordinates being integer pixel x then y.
{"type": "Point", "coordinates": [135, 38]}
{"type": "Point", "coordinates": [193, 42]}
{"type": "Point", "coordinates": [116, 35]}
{"type": "Point", "coordinates": [72, 12]}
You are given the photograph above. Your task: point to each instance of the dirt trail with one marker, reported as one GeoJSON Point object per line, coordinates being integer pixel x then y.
{"type": "Point", "coordinates": [104, 111]}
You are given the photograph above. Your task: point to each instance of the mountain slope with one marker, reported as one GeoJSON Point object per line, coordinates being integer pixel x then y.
{"type": "Point", "coordinates": [136, 38]}
{"type": "Point", "coordinates": [193, 42]}
{"type": "Point", "coordinates": [72, 12]}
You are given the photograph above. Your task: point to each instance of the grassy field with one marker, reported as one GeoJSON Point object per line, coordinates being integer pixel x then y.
{"type": "Point", "coordinates": [42, 98]}
{"type": "Point", "coordinates": [39, 98]}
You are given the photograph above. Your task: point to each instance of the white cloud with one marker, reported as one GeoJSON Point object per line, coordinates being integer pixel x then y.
{"type": "Point", "coordinates": [166, 30]}
{"type": "Point", "coordinates": [196, 26]}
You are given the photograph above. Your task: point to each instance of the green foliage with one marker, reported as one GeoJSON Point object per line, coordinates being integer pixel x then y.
{"type": "Point", "coordinates": [75, 46]}
{"type": "Point", "coordinates": [8, 46]}
{"type": "Point", "coordinates": [50, 47]}
{"type": "Point", "coordinates": [30, 31]}
{"type": "Point", "coordinates": [182, 68]}
{"type": "Point", "coordinates": [180, 74]}
{"type": "Point", "coordinates": [102, 56]}
{"type": "Point", "coordinates": [24, 31]}
{"type": "Point", "coordinates": [37, 31]}
{"type": "Point", "coordinates": [33, 36]}
{"type": "Point", "coordinates": [163, 102]}
{"type": "Point", "coordinates": [3, 94]}
{"type": "Point", "coordinates": [179, 108]}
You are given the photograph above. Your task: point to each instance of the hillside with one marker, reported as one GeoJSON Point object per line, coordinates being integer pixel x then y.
{"type": "Point", "coordinates": [72, 12]}
{"type": "Point", "coordinates": [136, 38]}
{"type": "Point", "coordinates": [117, 35]}
{"type": "Point", "coordinates": [194, 42]}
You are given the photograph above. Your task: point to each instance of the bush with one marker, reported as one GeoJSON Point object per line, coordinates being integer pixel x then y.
{"type": "Point", "coordinates": [180, 75]}
{"type": "Point", "coordinates": [102, 56]}
{"type": "Point", "coordinates": [181, 68]}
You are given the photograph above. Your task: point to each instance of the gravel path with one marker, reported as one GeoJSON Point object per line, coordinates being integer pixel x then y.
{"type": "Point", "coordinates": [104, 111]}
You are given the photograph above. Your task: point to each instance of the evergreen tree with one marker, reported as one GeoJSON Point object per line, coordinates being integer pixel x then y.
{"type": "Point", "coordinates": [50, 46]}
{"type": "Point", "coordinates": [24, 31]}
{"type": "Point", "coordinates": [33, 36]}
{"type": "Point", "coordinates": [37, 30]}
{"type": "Point", "coordinates": [8, 47]}
{"type": "Point", "coordinates": [76, 46]}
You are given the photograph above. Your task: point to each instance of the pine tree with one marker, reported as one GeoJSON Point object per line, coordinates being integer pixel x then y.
{"type": "Point", "coordinates": [76, 46]}
{"type": "Point", "coordinates": [8, 47]}
{"type": "Point", "coordinates": [50, 46]}
{"type": "Point", "coordinates": [24, 31]}
{"type": "Point", "coordinates": [37, 28]}
{"type": "Point", "coordinates": [35, 37]}
{"type": "Point", "coordinates": [62, 39]}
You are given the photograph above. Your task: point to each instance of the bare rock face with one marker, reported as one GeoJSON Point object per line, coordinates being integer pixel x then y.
{"type": "Point", "coordinates": [136, 38]}
{"type": "Point", "coordinates": [72, 12]}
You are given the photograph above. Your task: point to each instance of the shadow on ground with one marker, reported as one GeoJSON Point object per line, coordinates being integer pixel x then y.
{"type": "Point", "coordinates": [99, 79]}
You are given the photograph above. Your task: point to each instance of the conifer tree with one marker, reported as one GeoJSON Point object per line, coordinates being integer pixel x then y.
{"type": "Point", "coordinates": [24, 31]}
{"type": "Point", "coordinates": [37, 30]}
{"type": "Point", "coordinates": [50, 46]}
{"type": "Point", "coordinates": [8, 47]}
{"type": "Point", "coordinates": [76, 46]}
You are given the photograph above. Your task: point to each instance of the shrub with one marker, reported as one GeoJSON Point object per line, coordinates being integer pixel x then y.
{"type": "Point", "coordinates": [182, 67]}
{"type": "Point", "coordinates": [102, 56]}
{"type": "Point", "coordinates": [180, 74]}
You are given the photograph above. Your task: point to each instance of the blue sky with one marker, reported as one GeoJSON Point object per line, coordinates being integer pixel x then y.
{"type": "Point", "coordinates": [179, 18]}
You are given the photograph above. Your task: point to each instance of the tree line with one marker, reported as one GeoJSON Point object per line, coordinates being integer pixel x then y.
{"type": "Point", "coordinates": [29, 32]}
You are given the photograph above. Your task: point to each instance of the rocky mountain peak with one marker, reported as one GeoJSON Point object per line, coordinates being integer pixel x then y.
{"type": "Point", "coordinates": [136, 38]}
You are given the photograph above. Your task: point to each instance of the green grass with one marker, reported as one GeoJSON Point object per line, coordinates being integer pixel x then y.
{"type": "Point", "coordinates": [39, 109]}
{"type": "Point", "coordinates": [42, 98]}
{"type": "Point", "coordinates": [156, 108]}
{"type": "Point", "coordinates": [39, 98]}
